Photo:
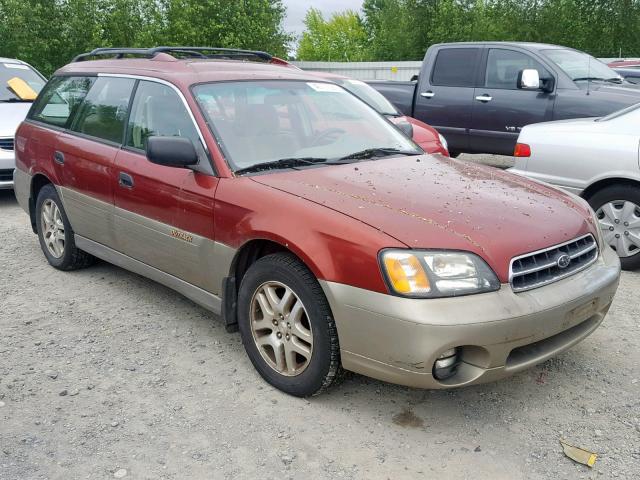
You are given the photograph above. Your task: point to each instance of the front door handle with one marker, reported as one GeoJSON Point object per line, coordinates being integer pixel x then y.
{"type": "Point", "coordinates": [484, 98]}
{"type": "Point", "coordinates": [125, 180]}
{"type": "Point", "coordinates": [428, 94]}
{"type": "Point", "coordinates": [58, 157]}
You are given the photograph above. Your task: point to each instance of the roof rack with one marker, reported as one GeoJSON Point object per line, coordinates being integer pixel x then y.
{"type": "Point", "coordinates": [189, 52]}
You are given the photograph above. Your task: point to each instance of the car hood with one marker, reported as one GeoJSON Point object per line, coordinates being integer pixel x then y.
{"type": "Point", "coordinates": [618, 95]}
{"type": "Point", "coordinates": [11, 114]}
{"type": "Point", "coordinates": [438, 202]}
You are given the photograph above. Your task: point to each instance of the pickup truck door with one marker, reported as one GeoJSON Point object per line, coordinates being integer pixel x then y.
{"type": "Point", "coordinates": [500, 109]}
{"type": "Point", "coordinates": [444, 97]}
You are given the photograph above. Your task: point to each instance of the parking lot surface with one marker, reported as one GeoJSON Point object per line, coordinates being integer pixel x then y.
{"type": "Point", "coordinates": [105, 374]}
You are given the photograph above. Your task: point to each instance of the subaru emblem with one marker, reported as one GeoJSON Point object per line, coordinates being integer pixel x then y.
{"type": "Point", "coordinates": [563, 261]}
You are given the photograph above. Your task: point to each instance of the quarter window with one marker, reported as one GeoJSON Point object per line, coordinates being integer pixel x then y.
{"type": "Point", "coordinates": [104, 110]}
{"type": "Point", "coordinates": [503, 67]}
{"type": "Point", "coordinates": [60, 99]}
{"type": "Point", "coordinates": [455, 67]}
{"type": "Point", "coordinates": [158, 111]}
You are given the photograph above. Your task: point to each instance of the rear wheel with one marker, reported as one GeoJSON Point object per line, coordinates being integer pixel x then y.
{"type": "Point", "coordinates": [286, 326]}
{"type": "Point", "coordinates": [618, 211]}
{"type": "Point", "coordinates": [55, 233]}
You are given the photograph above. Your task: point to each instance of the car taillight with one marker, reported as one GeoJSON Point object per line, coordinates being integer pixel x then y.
{"type": "Point", "coordinates": [522, 150]}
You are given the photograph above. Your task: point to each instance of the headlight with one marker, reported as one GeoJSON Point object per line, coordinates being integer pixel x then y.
{"type": "Point", "coordinates": [436, 273]}
{"type": "Point", "coordinates": [443, 141]}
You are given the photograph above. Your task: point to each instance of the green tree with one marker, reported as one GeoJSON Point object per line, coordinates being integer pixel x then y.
{"type": "Point", "coordinates": [49, 33]}
{"type": "Point", "coordinates": [341, 38]}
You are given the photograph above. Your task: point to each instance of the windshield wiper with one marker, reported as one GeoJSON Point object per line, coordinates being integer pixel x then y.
{"type": "Point", "coordinates": [375, 153]}
{"type": "Point", "coordinates": [592, 79]}
{"type": "Point", "coordinates": [281, 163]}
{"type": "Point", "coordinates": [15, 100]}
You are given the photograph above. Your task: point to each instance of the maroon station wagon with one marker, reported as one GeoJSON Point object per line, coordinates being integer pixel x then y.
{"type": "Point", "coordinates": [306, 220]}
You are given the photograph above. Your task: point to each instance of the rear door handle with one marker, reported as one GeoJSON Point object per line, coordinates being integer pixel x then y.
{"type": "Point", "coordinates": [58, 157]}
{"type": "Point", "coordinates": [125, 180]}
{"type": "Point", "coordinates": [484, 98]}
{"type": "Point", "coordinates": [428, 94]}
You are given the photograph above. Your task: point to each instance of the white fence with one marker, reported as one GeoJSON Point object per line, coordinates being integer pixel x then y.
{"type": "Point", "coordinates": [402, 71]}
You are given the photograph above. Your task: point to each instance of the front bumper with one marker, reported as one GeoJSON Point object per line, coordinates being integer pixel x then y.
{"type": "Point", "coordinates": [398, 339]}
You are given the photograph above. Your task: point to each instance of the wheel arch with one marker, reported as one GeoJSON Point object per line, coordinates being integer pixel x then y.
{"type": "Point", "coordinates": [250, 252]}
{"type": "Point", "coordinates": [38, 181]}
{"type": "Point", "coordinates": [608, 182]}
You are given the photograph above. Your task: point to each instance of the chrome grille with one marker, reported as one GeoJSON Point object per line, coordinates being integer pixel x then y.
{"type": "Point", "coordinates": [6, 143]}
{"type": "Point", "coordinates": [540, 268]}
{"type": "Point", "coordinates": [6, 175]}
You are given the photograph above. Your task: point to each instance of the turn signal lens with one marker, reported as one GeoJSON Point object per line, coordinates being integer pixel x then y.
{"type": "Point", "coordinates": [522, 150]}
{"type": "Point", "coordinates": [405, 273]}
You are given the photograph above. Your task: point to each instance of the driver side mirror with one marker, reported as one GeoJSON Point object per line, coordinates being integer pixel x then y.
{"type": "Point", "coordinates": [529, 79]}
{"type": "Point", "coordinates": [176, 152]}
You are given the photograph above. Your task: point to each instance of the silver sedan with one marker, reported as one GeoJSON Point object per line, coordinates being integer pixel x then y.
{"type": "Point", "coordinates": [598, 159]}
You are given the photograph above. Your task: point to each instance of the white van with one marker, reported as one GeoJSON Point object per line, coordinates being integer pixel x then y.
{"type": "Point", "coordinates": [19, 82]}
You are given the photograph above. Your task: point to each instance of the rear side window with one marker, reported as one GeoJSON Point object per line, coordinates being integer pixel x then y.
{"type": "Point", "coordinates": [60, 99]}
{"type": "Point", "coordinates": [503, 67]}
{"type": "Point", "coordinates": [455, 67]}
{"type": "Point", "coordinates": [158, 111]}
{"type": "Point", "coordinates": [104, 110]}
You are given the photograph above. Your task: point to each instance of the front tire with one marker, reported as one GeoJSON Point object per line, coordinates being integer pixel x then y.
{"type": "Point", "coordinates": [618, 210]}
{"type": "Point", "coordinates": [55, 233]}
{"type": "Point", "coordinates": [287, 327]}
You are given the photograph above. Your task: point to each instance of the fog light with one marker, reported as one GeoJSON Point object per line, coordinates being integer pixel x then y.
{"type": "Point", "coordinates": [447, 364]}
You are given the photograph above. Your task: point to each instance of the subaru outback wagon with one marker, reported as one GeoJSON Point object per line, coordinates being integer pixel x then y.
{"type": "Point", "coordinates": [306, 220]}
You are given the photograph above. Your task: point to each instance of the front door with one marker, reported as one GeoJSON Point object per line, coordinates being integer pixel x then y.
{"type": "Point", "coordinates": [164, 215]}
{"type": "Point", "coordinates": [500, 109]}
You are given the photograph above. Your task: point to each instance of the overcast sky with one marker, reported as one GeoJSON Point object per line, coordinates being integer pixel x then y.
{"type": "Point", "coordinates": [296, 10]}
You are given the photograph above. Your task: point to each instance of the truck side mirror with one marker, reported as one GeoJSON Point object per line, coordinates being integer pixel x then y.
{"type": "Point", "coordinates": [529, 79]}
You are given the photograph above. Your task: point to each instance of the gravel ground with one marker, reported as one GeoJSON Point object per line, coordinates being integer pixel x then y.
{"type": "Point", "coordinates": [104, 374]}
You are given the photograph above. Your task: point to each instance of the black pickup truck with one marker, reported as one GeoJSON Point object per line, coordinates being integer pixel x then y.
{"type": "Point", "coordinates": [480, 94]}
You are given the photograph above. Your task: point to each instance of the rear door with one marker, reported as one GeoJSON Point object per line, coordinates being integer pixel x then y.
{"type": "Point", "coordinates": [86, 153]}
{"type": "Point", "coordinates": [500, 108]}
{"type": "Point", "coordinates": [444, 98]}
{"type": "Point", "coordinates": [164, 215]}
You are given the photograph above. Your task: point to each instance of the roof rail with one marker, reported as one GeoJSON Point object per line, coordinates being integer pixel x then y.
{"type": "Point", "coordinates": [192, 52]}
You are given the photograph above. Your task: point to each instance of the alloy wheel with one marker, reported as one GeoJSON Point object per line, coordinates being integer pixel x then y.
{"type": "Point", "coordinates": [52, 228]}
{"type": "Point", "coordinates": [620, 225]}
{"type": "Point", "coordinates": [281, 329]}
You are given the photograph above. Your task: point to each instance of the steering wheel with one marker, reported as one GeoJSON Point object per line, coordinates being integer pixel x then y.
{"type": "Point", "coordinates": [329, 135]}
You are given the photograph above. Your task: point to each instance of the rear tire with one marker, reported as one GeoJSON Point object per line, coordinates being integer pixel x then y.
{"type": "Point", "coordinates": [618, 209]}
{"type": "Point", "coordinates": [55, 233]}
{"type": "Point", "coordinates": [287, 327]}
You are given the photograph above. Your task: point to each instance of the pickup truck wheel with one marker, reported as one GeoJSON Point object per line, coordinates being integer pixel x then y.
{"type": "Point", "coordinates": [287, 327]}
{"type": "Point", "coordinates": [55, 233]}
{"type": "Point", "coordinates": [618, 210]}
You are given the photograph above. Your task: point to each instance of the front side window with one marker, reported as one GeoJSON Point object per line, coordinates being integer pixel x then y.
{"type": "Point", "coordinates": [503, 67]}
{"type": "Point", "coordinates": [455, 67]}
{"type": "Point", "coordinates": [19, 82]}
{"type": "Point", "coordinates": [158, 111]}
{"type": "Point", "coordinates": [60, 99]}
{"type": "Point", "coordinates": [267, 121]}
{"type": "Point", "coordinates": [104, 110]}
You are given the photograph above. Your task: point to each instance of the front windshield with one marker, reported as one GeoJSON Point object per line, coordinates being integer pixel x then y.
{"type": "Point", "coordinates": [580, 66]}
{"type": "Point", "coordinates": [16, 79]}
{"type": "Point", "coordinates": [369, 95]}
{"type": "Point", "coordinates": [266, 121]}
